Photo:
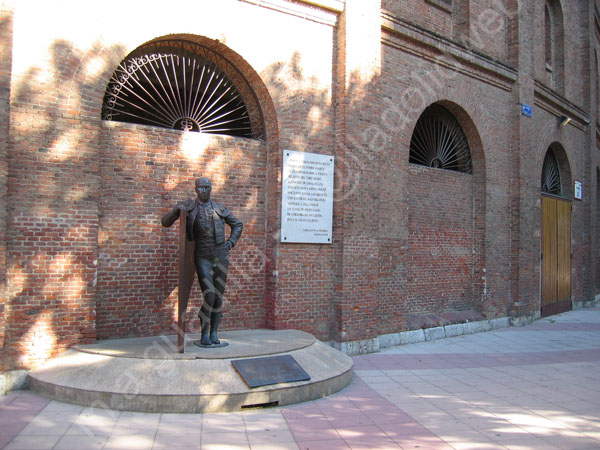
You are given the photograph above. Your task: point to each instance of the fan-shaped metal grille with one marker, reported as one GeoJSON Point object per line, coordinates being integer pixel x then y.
{"type": "Point", "coordinates": [184, 86]}
{"type": "Point", "coordinates": [439, 141]}
{"type": "Point", "coordinates": [551, 175]}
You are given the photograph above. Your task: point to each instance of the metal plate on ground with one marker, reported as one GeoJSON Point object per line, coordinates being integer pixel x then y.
{"type": "Point", "coordinates": [270, 370]}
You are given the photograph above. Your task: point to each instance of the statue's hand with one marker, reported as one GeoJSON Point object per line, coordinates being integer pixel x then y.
{"type": "Point", "coordinates": [228, 245]}
{"type": "Point", "coordinates": [169, 218]}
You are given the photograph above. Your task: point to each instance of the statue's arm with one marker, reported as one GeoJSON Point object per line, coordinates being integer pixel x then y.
{"type": "Point", "coordinates": [170, 218]}
{"type": "Point", "coordinates": [236, 229]}
{"type": "Point", "coordinates": [235, 224]}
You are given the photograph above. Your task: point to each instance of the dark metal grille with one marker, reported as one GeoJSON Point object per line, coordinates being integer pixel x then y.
{"type": "Point", "coordinates": [551, 175]}
{"type": "Point", "coordinates": [185, 86]}
{"type": "Point", "coordinates": [439, 141]}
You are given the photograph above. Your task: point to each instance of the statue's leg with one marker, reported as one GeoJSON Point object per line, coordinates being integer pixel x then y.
{"type": "Point", "coordinates": [220, 279]}
{"type": "Point", "coordinates": [205, 277]}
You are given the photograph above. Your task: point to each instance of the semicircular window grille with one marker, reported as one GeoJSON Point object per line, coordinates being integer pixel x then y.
{"type": "Point", "coordinates": [183, 85]}
{"type": "Point", "coordinates": [439, 141]}
{"type": "Point", "coordinates": [551, 175]}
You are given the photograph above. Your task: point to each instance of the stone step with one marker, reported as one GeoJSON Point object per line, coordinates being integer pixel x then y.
{"type": "Point", "coordinates": [148, 375]}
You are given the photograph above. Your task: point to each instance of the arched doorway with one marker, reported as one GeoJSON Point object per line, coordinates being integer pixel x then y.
{"type": "Point", "coordinates": [556, 232]}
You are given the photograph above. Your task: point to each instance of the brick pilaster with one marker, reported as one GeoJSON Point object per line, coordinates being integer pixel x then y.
{"type": "Point", "coordinates": [358, 71]}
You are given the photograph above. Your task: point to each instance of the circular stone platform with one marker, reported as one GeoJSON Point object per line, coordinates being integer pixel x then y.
{"type": "Point", "coordinates": [243, 344]}
{"type": "Point", "coordinates": [148, 375]}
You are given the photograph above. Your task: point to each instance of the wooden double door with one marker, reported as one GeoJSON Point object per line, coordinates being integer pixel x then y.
{"type": "Point", "coordinates": [556, 255]}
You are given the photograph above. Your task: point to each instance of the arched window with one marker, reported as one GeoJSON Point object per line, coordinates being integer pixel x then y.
{"type": "Point", "coordinates": [182, 85]}
{"type": "Point", "coordinates": [439, 141]}
{"type": "Point", "coordinates": [554, 49]}
{"type": "Point", "coordinates": [551, 175]}
{"type": "Point", "coordinates": [547, 37]}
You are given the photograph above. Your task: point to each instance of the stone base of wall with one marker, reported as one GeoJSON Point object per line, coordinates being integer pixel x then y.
{"type": "Point", "coordinates": [13, 380]}
{"type": "Point", "coordinates": [526, 319]}
{"type": "Point", "coordinates": [418, 321]}
{"type": "Point", "coordinates": [587, 304]}
{"type": "Point", "coordinates": [363, 346]}
{"type": "Point", "coordinates": [432, 333]}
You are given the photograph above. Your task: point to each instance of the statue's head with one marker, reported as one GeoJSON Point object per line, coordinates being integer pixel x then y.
{"type": "Point", "coordinates": [203, 188]}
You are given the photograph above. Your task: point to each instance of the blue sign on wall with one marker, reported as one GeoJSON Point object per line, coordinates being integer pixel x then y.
{"type": "Point", "coordinates": [526, 110]}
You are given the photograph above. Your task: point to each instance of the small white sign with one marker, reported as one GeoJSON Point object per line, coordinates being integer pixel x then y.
{"type": "Point", "coordinates": [578, 191]}
{"type": "Point", "coordinates": [307, 198]}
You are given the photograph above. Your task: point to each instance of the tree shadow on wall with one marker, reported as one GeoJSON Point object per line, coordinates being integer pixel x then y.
{"type": "Point", "coordinates": [53, 191]}
{"type": "Point", "coordinates": [85, 199]}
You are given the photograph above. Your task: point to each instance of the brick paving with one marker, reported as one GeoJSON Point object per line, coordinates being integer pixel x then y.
{"type": "Point", "coordinates": [532, 387]}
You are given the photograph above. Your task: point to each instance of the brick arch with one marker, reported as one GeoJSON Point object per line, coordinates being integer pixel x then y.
{"type": "Point", "coordinates": [467, 110]}
{"type": "Point", "coordinates": [554, 137]}
{"type": "Point", "coordinates": [564, 166]}
{"type": "Point", "coordinates": [159, 162]}
{"type": "Point", "coordinates": [554, 42]}
{"type": "Point", "coordinates": [473, 137]}
{"type": "Point", "coordinates": [447, 216]}
{"type": "Point", "coordinates": [89, 91]}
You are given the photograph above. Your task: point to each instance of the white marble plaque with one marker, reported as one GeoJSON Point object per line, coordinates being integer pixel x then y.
{"type": "Point", "coordinates": [307, 197]}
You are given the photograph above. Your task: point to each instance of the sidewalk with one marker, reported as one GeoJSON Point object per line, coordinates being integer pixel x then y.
{"type": "Point", "coordinates": [532, 387]}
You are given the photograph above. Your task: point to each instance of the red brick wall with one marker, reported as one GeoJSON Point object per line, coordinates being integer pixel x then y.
{"type": "Point", "coordinates": [358, 93]}
{"type": "Point", "coordinates": [305, 289]}
{"type": "Point", "coordinates": [481, 25]}
{"type": "Point", "coordinates": [489, 22]}
{"type": "Point", "coordinates": [299, 277]}
{"type": "Point", "coordinates": [440, 241]}
{"type": "Point", "coordinates": [410, 86]}
{"type": "Point", "coordinates": [570, 40]}
{"type": "Point", "coordinates": [424, 13]}
{"type": "Point", "coordinates": [6, 19]}
{"type": "Point", "coordinates": [52, 240]}
{"type": "Point", "coordinates": [137, 267]}
{"type": "Point", "coordinates": [85, 244]}
{"type": "Point", "coordinates": [85, 256]}
{"type": "Point", "coordinates": [597, 230]}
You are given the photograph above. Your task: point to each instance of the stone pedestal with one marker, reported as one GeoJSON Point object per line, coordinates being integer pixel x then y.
{"type": "Point", "coordinates": [150, 375]}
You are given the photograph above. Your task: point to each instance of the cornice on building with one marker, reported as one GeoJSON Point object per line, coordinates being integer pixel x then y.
{"type": "Point", "coordinates": [557, 105]}
{"type": "Point", "coordinates": [324, 11]}
{"type": "Point", "coordinates": [413, 39]}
